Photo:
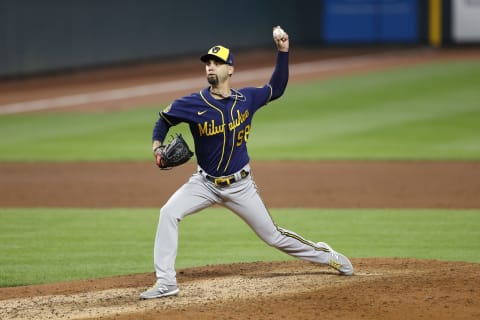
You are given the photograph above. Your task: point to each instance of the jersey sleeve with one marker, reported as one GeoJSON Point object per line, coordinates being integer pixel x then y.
{"type": "Point", "coordinates": [160, 129]}
{"type": "Point", "coordinates": [173, 114]}
{"type": "Point", "coordinates": [257, 97]}
{"type": "Point", "coordinates": [279, 78]}
{"type": "Point", "coordinates": [275, 87]}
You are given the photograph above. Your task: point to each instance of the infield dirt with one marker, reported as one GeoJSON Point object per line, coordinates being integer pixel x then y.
{"type": "Point", "coordinates": [380, 289]}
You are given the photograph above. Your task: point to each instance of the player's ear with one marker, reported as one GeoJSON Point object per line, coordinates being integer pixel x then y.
{"type": "Point", "coordinates": [230, 70]}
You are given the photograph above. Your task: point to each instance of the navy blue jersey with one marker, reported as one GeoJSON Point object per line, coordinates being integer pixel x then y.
{"type": "Point", "coordinates": [221, 128]}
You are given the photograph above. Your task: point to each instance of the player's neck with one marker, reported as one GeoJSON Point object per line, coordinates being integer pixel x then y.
{"type": "Point", "coordinates": [220, 92]}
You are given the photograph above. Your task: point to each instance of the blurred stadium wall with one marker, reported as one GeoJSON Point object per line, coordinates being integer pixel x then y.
{"type": "Point", "coordinates": [49, 36]}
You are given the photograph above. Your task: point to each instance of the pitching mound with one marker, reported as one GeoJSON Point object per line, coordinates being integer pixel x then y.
{"type": "Point", "coordinates": [380, 289]}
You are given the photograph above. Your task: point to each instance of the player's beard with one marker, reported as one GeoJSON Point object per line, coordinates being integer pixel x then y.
{"type": "Point", "coordinates": [212, 79]}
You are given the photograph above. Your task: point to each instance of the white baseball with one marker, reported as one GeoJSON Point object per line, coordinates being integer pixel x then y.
{"type": "Point", "coordinates": [278, 33]}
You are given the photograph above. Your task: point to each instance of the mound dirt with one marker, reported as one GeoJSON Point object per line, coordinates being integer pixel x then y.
{"type": "Point", "coordinates": [380, 289]}
{"type": "Point", "coordinates": [374, 184]}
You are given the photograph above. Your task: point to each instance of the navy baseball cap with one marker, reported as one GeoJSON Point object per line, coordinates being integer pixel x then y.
{"type": "Point", "coordinates": [220, 53]}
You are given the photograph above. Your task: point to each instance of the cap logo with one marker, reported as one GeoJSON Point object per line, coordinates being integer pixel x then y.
{"type": "Point", "coordinates": [221, 53]}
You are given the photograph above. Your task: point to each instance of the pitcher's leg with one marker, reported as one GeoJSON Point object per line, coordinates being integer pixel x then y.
{"type": "Point", "coordinates": [256, 215]}
{"type": "Point", "coordinates": [190, 198]}
{"type": "Point", "coordinates": [250, 207]}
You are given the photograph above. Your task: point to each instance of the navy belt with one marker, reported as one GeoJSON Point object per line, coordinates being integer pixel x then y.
{"type": "Point", "coordinates": [225, 181]}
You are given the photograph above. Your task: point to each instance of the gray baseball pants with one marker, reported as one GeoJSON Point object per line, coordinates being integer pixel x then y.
{"type": "Point", "coordinates": [243, 199]}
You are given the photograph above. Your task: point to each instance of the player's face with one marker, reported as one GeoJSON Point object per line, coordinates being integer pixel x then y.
{"type": "Point", "coordinates": [217, 71]}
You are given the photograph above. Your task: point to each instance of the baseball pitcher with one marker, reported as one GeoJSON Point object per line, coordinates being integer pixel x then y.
{"type": "Point", "coordinates": [220, 120]}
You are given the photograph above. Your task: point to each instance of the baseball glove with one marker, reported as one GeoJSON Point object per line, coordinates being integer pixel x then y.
{"type": "Point", "coordinates": [173, 154]}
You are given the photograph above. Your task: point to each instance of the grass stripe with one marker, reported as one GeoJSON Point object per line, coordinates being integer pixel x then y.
{"type": "Point", "coordinates": [49, 245]}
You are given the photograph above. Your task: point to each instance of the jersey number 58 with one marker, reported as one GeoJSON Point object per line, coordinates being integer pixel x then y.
{"type": "Point", "coordinates": [243, 135]}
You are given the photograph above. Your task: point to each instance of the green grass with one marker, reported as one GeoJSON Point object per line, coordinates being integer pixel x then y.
{"type": "Point", "coordinates": [425, 112]}
{"type": "Point", "coordinates": [420, 112]}
{"type": "Point", "coordinates": [77, 137]}
{"type": "Point", "coordinates": [50, 245]}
